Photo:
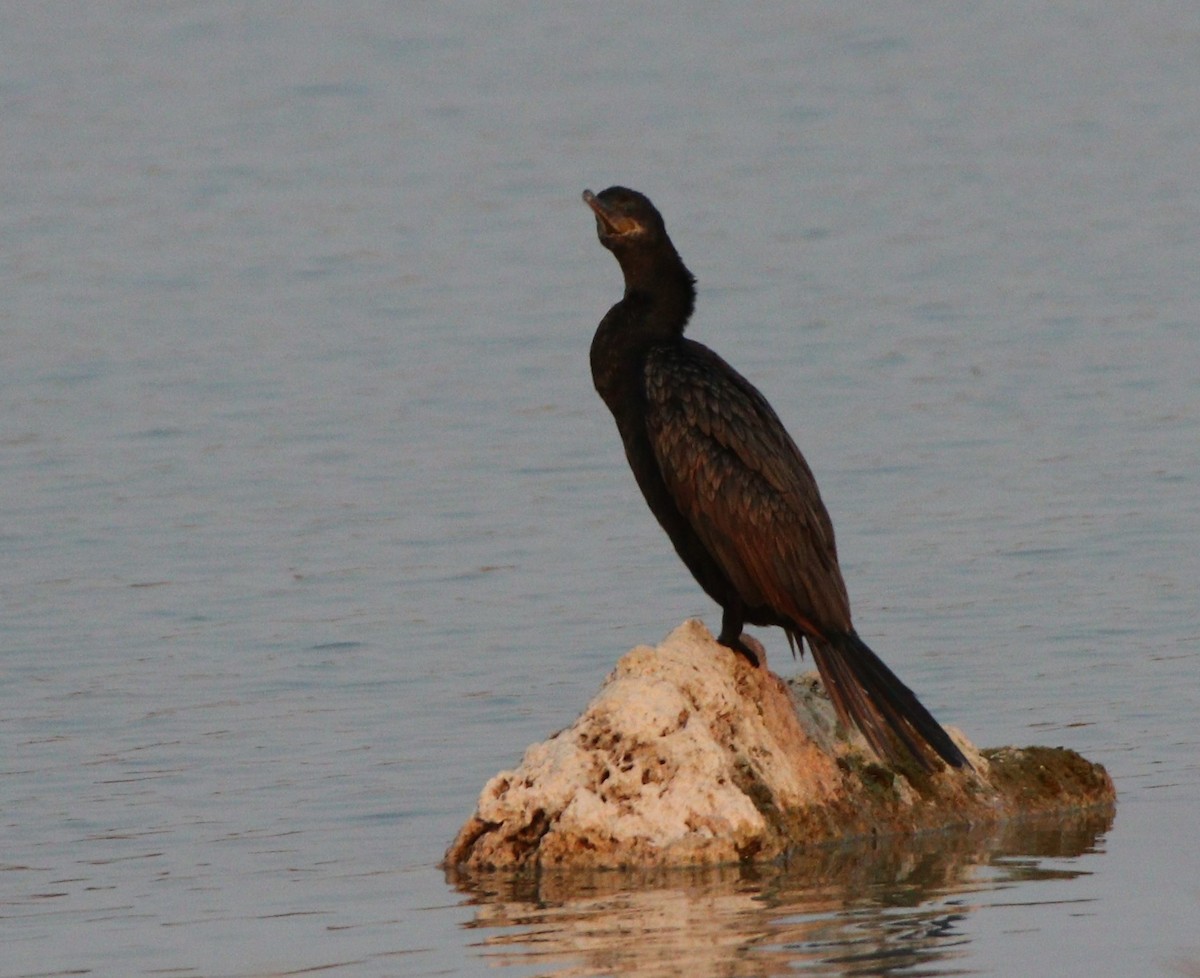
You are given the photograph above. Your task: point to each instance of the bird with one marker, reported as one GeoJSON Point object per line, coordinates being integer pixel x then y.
{"type": "Point", "coordinates": [734, 494]}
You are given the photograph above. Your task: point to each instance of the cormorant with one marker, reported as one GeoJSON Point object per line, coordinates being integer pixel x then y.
{"type": "Point", "coordinates": [726, 481]}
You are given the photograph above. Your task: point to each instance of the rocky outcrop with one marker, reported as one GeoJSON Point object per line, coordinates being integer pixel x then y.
{"type": "Point", "coordinates": [688, 755]}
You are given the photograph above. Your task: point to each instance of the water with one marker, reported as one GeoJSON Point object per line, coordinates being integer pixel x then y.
{"type": "Point", "coordinates": [311, 521]}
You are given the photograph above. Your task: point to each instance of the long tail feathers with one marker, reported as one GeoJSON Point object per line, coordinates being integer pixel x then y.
{"type": "Point", "coordinates": [867, 694]}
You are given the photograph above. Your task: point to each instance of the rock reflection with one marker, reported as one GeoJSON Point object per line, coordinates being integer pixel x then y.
{"type": "Point", "coordinates": [882, 908]}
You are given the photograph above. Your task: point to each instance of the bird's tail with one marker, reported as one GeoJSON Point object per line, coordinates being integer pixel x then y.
{"type": "Point", "coordinates": [867, 694]}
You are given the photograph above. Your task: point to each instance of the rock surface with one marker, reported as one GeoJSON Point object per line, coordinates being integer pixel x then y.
{"type": "Point", "coordinates": [688, 755]}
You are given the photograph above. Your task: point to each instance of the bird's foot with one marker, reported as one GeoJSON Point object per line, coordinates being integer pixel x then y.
{"type": "Point", "coordinates": [747, 646]}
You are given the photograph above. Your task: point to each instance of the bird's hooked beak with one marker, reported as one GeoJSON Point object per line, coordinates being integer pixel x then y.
{"type": "Point", "coordinates": [610, 222]}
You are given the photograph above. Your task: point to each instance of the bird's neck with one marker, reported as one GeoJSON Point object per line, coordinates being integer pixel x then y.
{"type": "Point", "coordinates": [660, 293]}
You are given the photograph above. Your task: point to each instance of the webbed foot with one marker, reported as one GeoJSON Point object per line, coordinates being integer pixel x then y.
{"type": "Point", "coordinates": [747, 646]}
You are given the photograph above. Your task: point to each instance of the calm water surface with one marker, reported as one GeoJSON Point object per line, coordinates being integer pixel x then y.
{"type": "Point", "coordinates": [311, 521]}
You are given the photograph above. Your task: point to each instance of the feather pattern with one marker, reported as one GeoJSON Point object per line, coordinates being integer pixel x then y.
{"type": "Point", "coordinates": [740, 480]}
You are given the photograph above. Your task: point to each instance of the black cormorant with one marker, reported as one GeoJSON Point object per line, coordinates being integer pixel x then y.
{"type": "Point", "coordinates": [726, 481]}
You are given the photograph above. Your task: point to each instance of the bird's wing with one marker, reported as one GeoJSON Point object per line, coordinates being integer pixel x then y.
{"type": "Point", "coordinates": [741, 482]}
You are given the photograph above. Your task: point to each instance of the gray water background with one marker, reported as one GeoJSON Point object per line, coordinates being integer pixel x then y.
{"type": "Point", "coordinates": [310, 520]}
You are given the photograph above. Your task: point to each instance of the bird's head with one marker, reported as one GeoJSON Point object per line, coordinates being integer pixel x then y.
{"type": "Point", "coordinates": [625, 219]}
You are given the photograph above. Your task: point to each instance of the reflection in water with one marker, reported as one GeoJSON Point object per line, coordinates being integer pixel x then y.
{"type": "Point", "coordinates": [867, 908]}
